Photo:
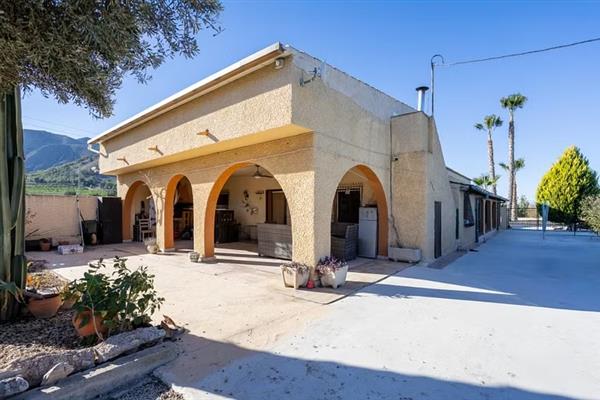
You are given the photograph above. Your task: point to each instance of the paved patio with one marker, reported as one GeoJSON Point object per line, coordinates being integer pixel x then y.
{"type": "Point", "coordinates": [239, 300]}
{"type": "Point", "coordinates": [518, 319]}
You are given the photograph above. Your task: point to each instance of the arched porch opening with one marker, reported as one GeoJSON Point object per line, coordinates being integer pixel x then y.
{"type": "Point", "coordinates": [359, 217]}
{"type": "Point", "coordinates": [178, 213]}
{"type": "Point", "coordinates": [247, 210]}
{"type": "Point", "coordinates": [139, 213]}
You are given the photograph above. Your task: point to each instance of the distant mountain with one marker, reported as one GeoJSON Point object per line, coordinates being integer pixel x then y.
{"type": "Point", "coordinates": [69, 178]}
{"type": "Point", "coordinates": [44, 149]}
{"type": "Point", "coordinates": [59, 164]}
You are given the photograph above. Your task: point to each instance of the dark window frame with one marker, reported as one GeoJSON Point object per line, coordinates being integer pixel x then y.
{"type": "Point", "coordinates": [468, 216]}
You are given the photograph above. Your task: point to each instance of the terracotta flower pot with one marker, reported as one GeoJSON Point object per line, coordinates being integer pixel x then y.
{"type": "Point", "coordinates": [45, 246]}
{"type": "Point", "coordinates": [94, 323]}
{"type": "Point", "coordinates": [44, 308]}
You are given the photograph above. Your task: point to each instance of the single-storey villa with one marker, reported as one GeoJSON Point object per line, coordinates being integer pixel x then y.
{"type": "Point", "coordinates": [285, 150]}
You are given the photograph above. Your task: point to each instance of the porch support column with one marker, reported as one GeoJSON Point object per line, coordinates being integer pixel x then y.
{"type": "Point", "coordinates": [201, 192]}
{"type": "Point", "coordinates": [158, 196]}
{"type": "Point", "coordinates": [311, 217]}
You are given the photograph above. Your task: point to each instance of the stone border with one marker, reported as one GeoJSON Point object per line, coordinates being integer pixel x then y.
{"type": "Point", "coordinates": [106, 377]}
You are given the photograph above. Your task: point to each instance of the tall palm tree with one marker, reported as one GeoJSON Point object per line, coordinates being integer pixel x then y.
{"type": "Point", "coordinates": [485, 181]}
{"type": "Point", "coordinates": [490, 122]}
{"type": "Point", "coordinates": [512, 103]}
{"type": "Point", "coordinates": [519, 165]}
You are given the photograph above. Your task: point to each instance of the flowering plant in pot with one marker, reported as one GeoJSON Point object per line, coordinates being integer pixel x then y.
{"type": "Point", "coordinates": [332, 271]}
{"type": "Point", "coordinates": [120, 301]}
{"type": "Point", "coordinates": [295, 274]}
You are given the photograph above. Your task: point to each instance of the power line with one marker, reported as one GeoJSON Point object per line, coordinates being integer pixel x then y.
{"type": "Point", "coordinates": [433, 64]}
{"type": "Point", "coordinates": [524, 53]}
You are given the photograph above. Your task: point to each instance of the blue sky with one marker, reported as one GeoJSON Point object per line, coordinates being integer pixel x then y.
{"type": "Point", "coordinates": [389, 45]}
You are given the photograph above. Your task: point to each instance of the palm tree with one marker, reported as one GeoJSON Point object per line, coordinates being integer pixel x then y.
{"type": "Point", "coordinates": [511, 103]}
{"type": "Point", "coordinates": [519, 165]}
{"type": "Point", "coordinates": [486, 181]}
{"type": "Point", "coordinates": [490, 122]}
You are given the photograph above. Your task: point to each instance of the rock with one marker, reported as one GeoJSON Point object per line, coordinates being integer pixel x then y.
{"type": "Point", "coordinates": [13, 385]}
{"type": "Point", "coordinates": [33, 369]}
{"type": "Point", "coordinates": [56, 373]}
{"type": "Point", "coordinates": [116, 345]}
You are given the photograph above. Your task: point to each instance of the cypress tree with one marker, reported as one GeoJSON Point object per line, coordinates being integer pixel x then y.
{"type": "Point", "coordinates": [565, 185]}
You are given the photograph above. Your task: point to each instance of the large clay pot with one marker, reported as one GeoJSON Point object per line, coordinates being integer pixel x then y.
{"type": "Point", "coordinates": [45, 245]}
{"type": "Point", "coordinates": [89, 329]}
{"type": "Point", "coordinates": [44, 308]}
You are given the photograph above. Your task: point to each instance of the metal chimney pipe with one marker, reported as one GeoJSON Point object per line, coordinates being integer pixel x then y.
{"type": "Point", "coordinates": [421, 97]}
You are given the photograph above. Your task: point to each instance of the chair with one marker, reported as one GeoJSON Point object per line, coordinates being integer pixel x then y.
{"type": "Point", "coordinates": [344, 241]}
{"type": "Point", "coordinates": [145, 229]}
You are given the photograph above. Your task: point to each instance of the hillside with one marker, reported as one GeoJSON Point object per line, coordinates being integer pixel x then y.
{"type": "Point", "coordinates": [66, 178]}
{"type": "Point", "coordinates": [44, 149]}
{"type": "Point", "coordinates": [55, 162]}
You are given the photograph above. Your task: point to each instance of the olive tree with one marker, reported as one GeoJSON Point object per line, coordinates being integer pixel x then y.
{"type": "Point", "coordinates": [76, 51]}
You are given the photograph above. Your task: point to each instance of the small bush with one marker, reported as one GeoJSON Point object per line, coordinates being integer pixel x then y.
{"type": "Point", "coordinates": [590, 212]}
{"type": "Point", "coordinates": [125, 299]}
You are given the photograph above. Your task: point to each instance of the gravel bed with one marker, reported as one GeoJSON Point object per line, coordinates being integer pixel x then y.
{"type": "Point", "coordinates": [149, 389]}
{"type": "Point", "coordinates": [29, 337]}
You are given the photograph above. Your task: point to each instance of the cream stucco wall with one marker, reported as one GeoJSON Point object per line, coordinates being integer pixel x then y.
{"type": "Point", "coordinates": [308, 136]}
{"type": "Point", "coordinates": [56, 217]}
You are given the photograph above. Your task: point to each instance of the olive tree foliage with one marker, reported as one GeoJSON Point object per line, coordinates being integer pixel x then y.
{"type": "Point", "coordinates": [80, 50]}
{"type": "Point", "coordinates": [566, 184]}
{"type": "Point", "coordinates": [76, 51]}
{"type": "Point", "coordinates": [590, 212]}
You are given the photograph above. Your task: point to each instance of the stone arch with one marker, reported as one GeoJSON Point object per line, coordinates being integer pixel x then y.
{"type": "Point", "coordinates": [211, 203]}
{"type": "Point", "coordinates": [381, 201]}
{"type": "Point", "coordinates": [168, 209]}
{"type": "Point", "coordinates": [129, 206]}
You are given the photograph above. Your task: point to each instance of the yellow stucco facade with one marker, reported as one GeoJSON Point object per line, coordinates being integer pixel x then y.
{"type": "Point", "coordinates": [307, 124]}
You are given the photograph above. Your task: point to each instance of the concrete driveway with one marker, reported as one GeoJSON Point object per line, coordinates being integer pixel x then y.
{"type": "Point", "coordinates": [518, 319]}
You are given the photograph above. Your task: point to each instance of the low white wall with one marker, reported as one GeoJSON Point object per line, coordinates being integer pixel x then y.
{"type": "Point", "coordinates": [56, 217]}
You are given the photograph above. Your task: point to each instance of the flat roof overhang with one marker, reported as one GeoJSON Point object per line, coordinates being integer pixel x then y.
{"type": "Point", "coordinates": [206, 85]}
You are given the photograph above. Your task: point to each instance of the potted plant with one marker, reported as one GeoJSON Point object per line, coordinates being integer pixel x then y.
{"type": "Point", "coordinates": [332, 271]}
{"type": "Point", "coordinates": [121, 301]}
{"type": "Point", "coordinates": [194, 256]}
{"type": "Point", "coordinates": [295, 274]}
{"type": "Point", "coordinates": [151, 245]}
{"type": "Point", "coordinates": [45, 244]}
{"type": "Point", "coordinates": [43, 299]}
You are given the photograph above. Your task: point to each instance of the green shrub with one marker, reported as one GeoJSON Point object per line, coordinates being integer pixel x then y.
{"type": "Point", "coordinates": [590, 212]}
{"type": "Point", "coordinates": [565, 185]}
{"type": "Point", "coordinates": [125, 299]}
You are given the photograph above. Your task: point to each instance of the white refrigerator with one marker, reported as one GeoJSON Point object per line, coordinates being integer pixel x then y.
{"type": "Point", "coordinates": [367, 232]}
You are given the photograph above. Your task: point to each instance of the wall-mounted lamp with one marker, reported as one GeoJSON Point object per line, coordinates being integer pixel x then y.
{"type": "Point", "coordinates": [205, 132]}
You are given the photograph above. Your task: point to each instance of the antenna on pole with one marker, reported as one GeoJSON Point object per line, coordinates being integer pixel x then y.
{"type": "Point", "coordinates": [433, 65]}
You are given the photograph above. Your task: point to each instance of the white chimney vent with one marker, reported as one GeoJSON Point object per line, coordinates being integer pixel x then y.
{"type": "Point", "coordinates": [421, 97]}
